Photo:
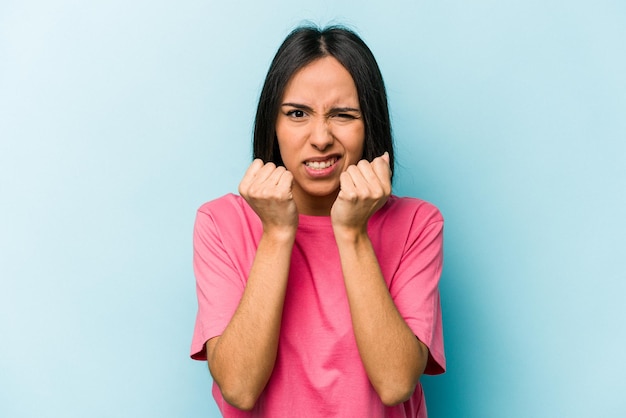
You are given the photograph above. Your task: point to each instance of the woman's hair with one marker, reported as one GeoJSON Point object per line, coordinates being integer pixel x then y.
{"type": "Point", "coordinates": [303, 46]}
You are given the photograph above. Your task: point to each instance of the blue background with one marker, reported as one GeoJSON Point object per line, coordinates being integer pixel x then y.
{"type": "Point", "coordinates": [118, 119]}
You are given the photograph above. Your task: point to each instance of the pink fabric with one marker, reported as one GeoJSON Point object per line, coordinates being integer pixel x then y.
{"type": "Point", "coordinates": [318, 372]}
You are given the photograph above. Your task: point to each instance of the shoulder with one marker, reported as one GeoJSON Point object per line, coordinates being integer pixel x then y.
{"type": "Point", "coordinates": [224, 205]}
{"type": "Point", "coordinates": [228, 208]}
{"type": "Point", "coordinates": [405, 219]}
{"type": "Point", "coordinates": [409, 209]}
{"type": "Point", "coordinates": [229, 212]}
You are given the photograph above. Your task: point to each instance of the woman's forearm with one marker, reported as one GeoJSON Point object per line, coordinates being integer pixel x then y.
{"type": "Point", "coordinates": [241, 360]}
{"type": "Point", "coordinates": [393, 357]}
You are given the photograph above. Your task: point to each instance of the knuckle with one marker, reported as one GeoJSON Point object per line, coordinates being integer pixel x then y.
{"type": "Point", "coordinates": [351, 196]}
{"type": "Point", "coordinates": [267, 193]}
{"type": "Point", "coordinates": [378, 194]}
{"type": "Point", "coordinates": [255, 191]}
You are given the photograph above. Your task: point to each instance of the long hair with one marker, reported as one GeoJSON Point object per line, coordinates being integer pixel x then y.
{"type": "Point", "coordinates": [303, 46]}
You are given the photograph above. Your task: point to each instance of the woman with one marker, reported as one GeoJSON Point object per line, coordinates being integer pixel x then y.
{"type": "Point", "coordinates": [317, 288]}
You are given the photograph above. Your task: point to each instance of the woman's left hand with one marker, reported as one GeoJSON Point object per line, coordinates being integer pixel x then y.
{"type": "Point", "coordinates": [364, 188]}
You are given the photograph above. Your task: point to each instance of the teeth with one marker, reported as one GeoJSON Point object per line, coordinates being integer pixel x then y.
{"type": "Point", "coordinates": [320, 165]}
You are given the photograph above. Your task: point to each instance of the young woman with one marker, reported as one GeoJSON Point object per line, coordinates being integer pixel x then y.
{"type": "Point", "coordinates": [317, 288]}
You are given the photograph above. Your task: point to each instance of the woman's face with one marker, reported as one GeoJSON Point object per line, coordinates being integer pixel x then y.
{"type": "Point", "coordinates": [320, 132]}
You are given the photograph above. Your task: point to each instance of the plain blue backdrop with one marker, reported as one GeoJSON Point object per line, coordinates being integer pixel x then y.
{"type": "Point", "coordinates": [119, 118]}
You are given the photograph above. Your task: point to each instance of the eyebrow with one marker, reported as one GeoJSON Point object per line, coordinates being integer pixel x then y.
{"type": "Point", "coordinates": [310, 110]}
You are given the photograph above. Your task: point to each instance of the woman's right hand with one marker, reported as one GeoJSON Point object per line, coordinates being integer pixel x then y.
{"type": "Point", "coordinates": [267, 189]}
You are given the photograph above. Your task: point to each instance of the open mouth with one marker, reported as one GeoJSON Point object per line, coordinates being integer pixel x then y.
{"type": "Point", "coordinates": [321, 165]}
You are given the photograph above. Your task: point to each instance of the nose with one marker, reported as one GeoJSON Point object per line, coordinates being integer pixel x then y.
{"type": "Point", "coordinates": [321, 136]}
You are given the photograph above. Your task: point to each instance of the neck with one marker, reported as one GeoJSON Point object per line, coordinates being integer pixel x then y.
{"type": "Point", "coordinates": [315, 205]}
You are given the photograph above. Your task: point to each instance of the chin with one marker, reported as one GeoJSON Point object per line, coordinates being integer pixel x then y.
{"type": "Point", "coordinates": [322, 190]}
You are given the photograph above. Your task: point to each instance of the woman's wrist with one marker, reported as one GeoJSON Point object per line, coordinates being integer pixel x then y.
{"type": "Point", "coordinates": [280, 234]}
{"type": "Point", "coordinates": [350, 235]}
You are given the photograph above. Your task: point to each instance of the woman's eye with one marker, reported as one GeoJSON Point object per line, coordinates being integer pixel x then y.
{"type": "Point", "coordinates": [345, 116]}
{"type": "Point", "coordinates": [296, 113]}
